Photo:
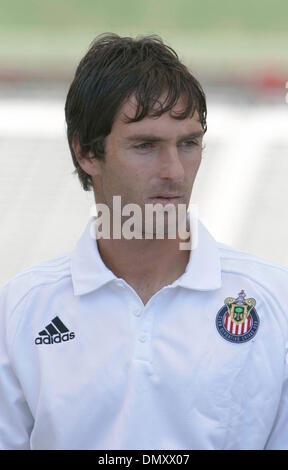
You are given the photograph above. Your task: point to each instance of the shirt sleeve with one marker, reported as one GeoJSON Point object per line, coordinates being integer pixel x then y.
{"type": "Point", "coordinates": [16, 421]}
{"type": "Point", "coordinates": [278, 439]}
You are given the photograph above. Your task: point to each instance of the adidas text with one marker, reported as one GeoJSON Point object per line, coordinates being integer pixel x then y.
{"type": "Point", "coordinates": [55, 338]}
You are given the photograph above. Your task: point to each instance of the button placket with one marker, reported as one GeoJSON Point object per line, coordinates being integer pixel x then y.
{"type": "Point", "coordinates": [142, 334]}
{"type": "Point", "coordinates": [137, 311]}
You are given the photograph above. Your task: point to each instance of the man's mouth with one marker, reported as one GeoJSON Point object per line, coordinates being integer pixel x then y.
{"type": "Point", "coordinates": [165, 199]}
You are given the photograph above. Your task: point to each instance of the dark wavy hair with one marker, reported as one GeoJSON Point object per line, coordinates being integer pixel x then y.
{"type": "Point", "coordinates": [112, 70]}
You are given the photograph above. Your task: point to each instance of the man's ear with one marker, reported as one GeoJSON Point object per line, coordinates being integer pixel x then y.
{"type": "Point", "coordinates": [91, 166]}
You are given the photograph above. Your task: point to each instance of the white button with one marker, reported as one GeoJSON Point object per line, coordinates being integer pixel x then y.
{"type": "Point", "coordinates": [137, 311]}
{"type": "Point", "coordinates": [142, 338]}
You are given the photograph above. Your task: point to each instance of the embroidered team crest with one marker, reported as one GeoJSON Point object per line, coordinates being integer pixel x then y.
{"type": "Point", "coordinates": [237, 321]}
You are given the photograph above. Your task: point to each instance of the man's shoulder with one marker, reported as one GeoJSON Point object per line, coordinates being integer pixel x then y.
{"type": "Point", "coordinates": [269, 274]}
{"type": "Point", "coordinates": [45, 272]}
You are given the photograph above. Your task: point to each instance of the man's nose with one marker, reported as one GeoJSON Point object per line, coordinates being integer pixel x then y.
{"type": "Point", "coordinates": [170, 165]}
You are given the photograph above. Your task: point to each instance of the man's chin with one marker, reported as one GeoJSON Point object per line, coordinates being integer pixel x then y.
{"type": "Point", "coordinates": [164, 226]}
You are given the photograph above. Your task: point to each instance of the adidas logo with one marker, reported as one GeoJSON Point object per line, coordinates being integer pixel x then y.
{"type": "Point", "coordinates": [55, 332]}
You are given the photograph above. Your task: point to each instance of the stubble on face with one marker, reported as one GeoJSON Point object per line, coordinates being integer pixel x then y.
{"type": "Point", "coordinates": [136, 175]}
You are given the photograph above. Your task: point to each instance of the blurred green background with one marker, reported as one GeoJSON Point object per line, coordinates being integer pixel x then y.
{"type": "Point", "coordinates": [223, 40]}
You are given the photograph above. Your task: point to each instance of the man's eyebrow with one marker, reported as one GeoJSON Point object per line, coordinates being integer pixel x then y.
{"type": "Point", "coordinates": [155, 138]}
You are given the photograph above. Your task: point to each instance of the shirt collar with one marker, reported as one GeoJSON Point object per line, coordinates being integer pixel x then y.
{"type": "Point", "coordinates": [203, 271]}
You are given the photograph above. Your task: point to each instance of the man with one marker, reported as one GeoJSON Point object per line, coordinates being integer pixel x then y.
{"type": "Point", "coordinates": [133, 342]}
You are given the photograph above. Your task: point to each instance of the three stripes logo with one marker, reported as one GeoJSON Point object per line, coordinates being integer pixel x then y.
{"type": "Point", "coordinates": [55, 332]}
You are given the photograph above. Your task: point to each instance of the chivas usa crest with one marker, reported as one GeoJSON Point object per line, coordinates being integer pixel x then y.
{"type": "Point", "coordinates": [237, 321]}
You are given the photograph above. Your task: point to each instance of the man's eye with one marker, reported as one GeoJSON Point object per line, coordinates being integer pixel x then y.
{"type": "Point", "coordinates": [191, 142]}
{"type": "Point", "coordinates": [147, 145]}
{"type": "Point", "coordinates": [143, 146]}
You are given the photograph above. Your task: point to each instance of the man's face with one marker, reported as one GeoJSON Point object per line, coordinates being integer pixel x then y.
{"type": "Point", "coordinates": [140, 169]}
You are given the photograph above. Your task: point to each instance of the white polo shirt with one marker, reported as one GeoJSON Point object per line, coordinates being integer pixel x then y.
{"type": "Point", "coordinates": [203, 365]}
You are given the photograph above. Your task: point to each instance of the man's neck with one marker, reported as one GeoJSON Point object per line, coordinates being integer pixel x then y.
{"type": "Point", "coordinates": [147, 265]}
{"type": "Point", "coordinates": [135, 260]}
